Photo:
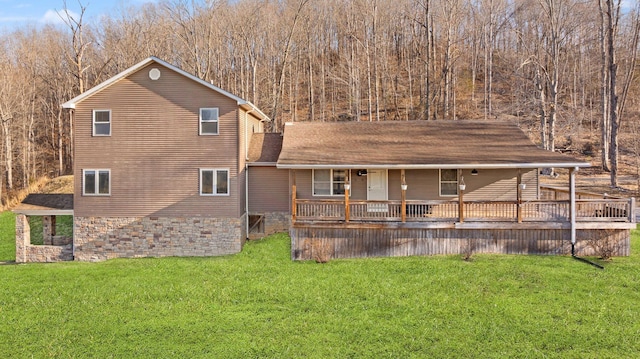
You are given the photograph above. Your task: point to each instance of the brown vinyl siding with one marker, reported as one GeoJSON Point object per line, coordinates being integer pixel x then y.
{"type": "Point", "coordinates": [254, 126]}
{"type": "Point", "coordinates": [243, 141]}
{"type": "Point", "coordinates": [498, 184]}
{"type": "Point", "coordinates": [358, 186]}
{"type": "Point", "coordinates": [268, 189]}
{"type": "Point", "coordinates": [154, 151]}
{"type": "Point", "coordinates": [248, 125]}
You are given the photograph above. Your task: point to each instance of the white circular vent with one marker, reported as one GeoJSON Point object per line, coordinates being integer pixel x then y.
{"type": "Point", "coordinates": [154, 74]}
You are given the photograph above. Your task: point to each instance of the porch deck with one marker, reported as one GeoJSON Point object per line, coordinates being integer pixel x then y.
{"type": "Point", "coordinates": [347, 229]}
{"type": "Point", "coordinates": [587, 210]}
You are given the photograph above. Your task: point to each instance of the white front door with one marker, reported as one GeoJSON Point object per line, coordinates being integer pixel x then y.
{"type": "Point", "coordinates": [377, 190]}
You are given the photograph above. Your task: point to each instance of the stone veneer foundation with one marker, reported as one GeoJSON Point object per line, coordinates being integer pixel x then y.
{"type": "Point", "coordinates": [276, 222]}
{"type": "Point", "coordinates": [102, 238]}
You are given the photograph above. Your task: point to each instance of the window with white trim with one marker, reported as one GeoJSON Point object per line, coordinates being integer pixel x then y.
{"type": "Point", "coordinates": [96, 182]}
{"type": "Point", "coordinates": [448, 182]}
{"type": "Point", "coordinates": [214, 182]}
{"type": "Point", "coordinates": [329, 182]}
{"type": "Point", "coordinates": [102, 122]}
{"type": "Point", "coordinates": [209, 121]}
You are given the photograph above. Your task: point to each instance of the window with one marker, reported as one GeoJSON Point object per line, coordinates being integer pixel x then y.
{"type": "Point", "coordinates": [102, 122]}
{"type": "Point", "coordinates": [208, 121]}
{"type": "Point", "coordinates": [214, 182]}
{"type": "Point", "coordinates": [449, 182]}
{"type": "Point", "coordinates": [329, 182]}
{"type": "Point", "coordinates": [96, 182]}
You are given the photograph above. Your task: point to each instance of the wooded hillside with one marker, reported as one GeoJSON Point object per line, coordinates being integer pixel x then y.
{"type": "Point", "coordinates": [565, 70]}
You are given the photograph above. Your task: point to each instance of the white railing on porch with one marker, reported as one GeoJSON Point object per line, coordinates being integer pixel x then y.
{"type": "Point", "coordinates": [618, 210]}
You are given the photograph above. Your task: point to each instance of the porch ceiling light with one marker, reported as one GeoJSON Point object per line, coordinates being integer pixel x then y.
{"type": "Point", "coordinates": [474, 172]}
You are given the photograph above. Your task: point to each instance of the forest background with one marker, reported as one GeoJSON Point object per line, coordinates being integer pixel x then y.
{"type": "Point", "coordinates": [564, 70]}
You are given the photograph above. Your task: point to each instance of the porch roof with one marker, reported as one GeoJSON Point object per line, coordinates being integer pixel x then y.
{"type": "Point", "coordinates": [40, 204]}
{"type": "Point", "coordinates": [414, 145]}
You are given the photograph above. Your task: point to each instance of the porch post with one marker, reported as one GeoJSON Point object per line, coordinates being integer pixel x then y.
{"type": "Point", "coordinates": [293, 197]}
{"type": "Point", "coordinates": [403, 204]}
{"type": "Point", "coordinates": [23, 237]}
{"type": "Point", "coordinates": [572, 200]}
{"type": "Point", "coordinates": [461, 188]}
{"type": "Point", "coordinates": [48, 229]}
{"type": "Point", "coordinates": [347, 189]}
{"type": "Point", "coordinates": [519, 197]}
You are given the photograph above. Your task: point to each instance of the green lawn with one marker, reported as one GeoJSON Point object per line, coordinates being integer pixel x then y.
{"type": "Point", "coordinates": [260, 304]}
{"type": "Point", "coordinates": [64, 227]}
{"type": "Point", "coordinates": [7, 237]}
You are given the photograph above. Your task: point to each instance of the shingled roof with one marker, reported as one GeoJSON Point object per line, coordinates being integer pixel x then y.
{"type": "Point", "coordinates": [414, 144]}
{"type": "Point", "coordinates": [46, 204]}
{"type": "Point", "coordinates": [264, 148]}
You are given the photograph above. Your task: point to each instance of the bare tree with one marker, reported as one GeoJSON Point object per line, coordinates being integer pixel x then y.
{"type": "Point", "coordinates": [285, 58]}
{"type": "Point", "coordinates": [79, 43]}
{"type": "Point", "coordinates": [8, 104]}
{"type": "Point", "coordinates": [336, 60]}
{"type": "Point", "coordinates": [611, 12]}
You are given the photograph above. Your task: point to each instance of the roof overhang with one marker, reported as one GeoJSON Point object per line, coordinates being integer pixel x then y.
{"type": "Point", "coordinates": [44, 212]}
{"type": "Point", "coordinates": [438, 166]}
{"type": "Point", "coordinates": [262, 164]}
{"type": "Point", "coordinates": [255, 111]}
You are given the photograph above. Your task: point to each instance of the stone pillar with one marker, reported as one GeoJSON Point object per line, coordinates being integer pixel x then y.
{"type": "Point", "coordinates": [48, 229]}
{"type": "Point", "coordinates": [23, 237]}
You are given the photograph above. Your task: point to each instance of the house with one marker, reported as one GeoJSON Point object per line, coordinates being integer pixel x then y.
{"type": "Point", "coordinates": [167, 164]}
{"type": "Point", "coordinates": [436, 187]}
{"type": "Point", "coordinates": [160, 161]}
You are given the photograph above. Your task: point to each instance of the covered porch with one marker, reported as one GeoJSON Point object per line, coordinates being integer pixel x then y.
{"type": "Point", "coordinates": [556, 208]}
{"type": "Point", "coordinates": [556, 221]}
{"type": "Point", "coordinates": [55, 247]}
{"type": "Point", "coordinates": [387, 189]}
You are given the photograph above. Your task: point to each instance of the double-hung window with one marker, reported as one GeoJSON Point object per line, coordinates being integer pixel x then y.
{"type": "Point", "coordinates": [448, 182]}
{"type": "Point", "coordinates": [209, 121]}
{"type": "Point", "coordinates": [214, 182]}
{"type": "Point", "coordinates": [329, 182]}
{"type": "Point", "coordinates": [96, 182]}
{"type": "Point", "coordinates": [102, 122]}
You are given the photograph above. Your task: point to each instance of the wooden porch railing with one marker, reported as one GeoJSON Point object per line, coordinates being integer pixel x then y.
{"type": "Point", "coordinates": [554, 193]}
{"type": "Point", "coordinates": [616, 210]}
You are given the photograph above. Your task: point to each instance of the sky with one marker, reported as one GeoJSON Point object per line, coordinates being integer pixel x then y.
{"type": "Point", "coordinates": [17, 13]}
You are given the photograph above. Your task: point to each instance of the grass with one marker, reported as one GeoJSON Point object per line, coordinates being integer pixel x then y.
{"type": "Point", "coordinates": [64, 227]}
{"type": "Point", "coordinates": [7, 236]}
{"type": "Point", "coordinates": [261, 304]}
